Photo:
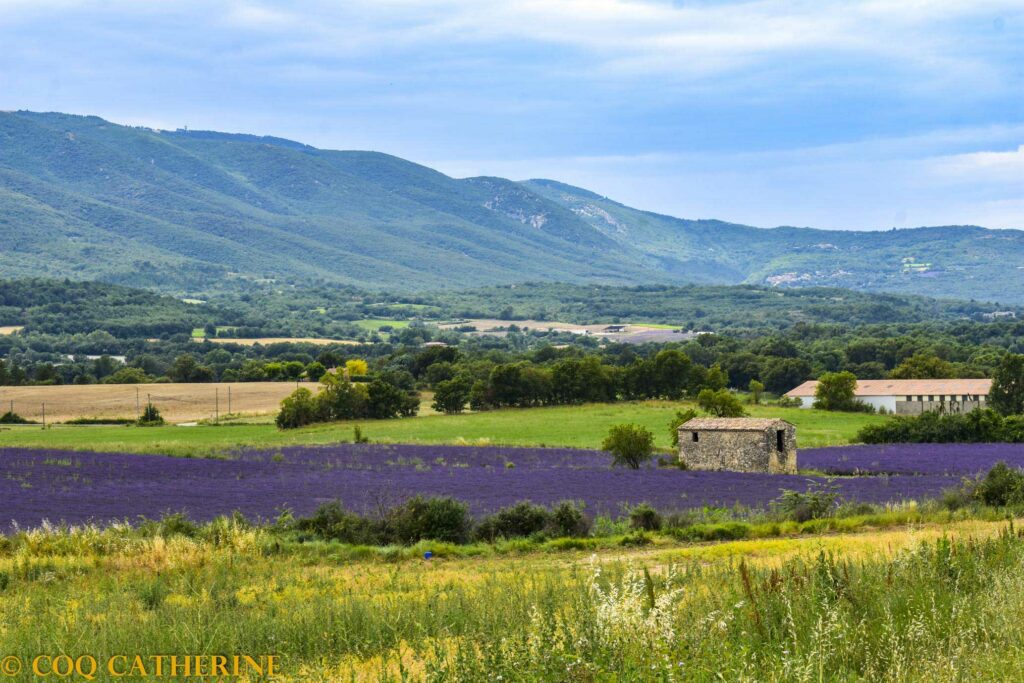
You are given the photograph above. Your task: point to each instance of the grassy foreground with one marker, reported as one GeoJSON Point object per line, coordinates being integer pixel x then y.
{"type": "Point", "coordinates": [934, 602]}
{"type": "Point", "coordinates": [568, 426]}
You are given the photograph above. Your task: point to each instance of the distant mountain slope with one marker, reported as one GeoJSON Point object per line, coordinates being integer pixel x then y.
{"type": "Point", "coordinates": [955, 261]}
{"type": "Point", "coordinates": [87, 199]}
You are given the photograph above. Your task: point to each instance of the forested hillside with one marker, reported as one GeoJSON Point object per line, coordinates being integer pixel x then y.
{"type": "Point", "coordinates": [188, 211]}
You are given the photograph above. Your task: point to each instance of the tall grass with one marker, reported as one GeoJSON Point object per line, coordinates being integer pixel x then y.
{"type": "Point", "coordinates": [912, 606]}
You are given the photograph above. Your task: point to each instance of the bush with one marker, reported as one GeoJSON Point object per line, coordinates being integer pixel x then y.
{"type": "Point", "coordinates": [434, 519]}
{"type": "Point", "coordinates": [333, 523]}
{"type": "Point", "coordinates": [977, 426]}
{"type": "Point", "coordinates": [1001, 486]}
{"type": "Point", "coordinates": [819, 500]}
{"type": "Point", "coordinates": [567, 519]}
{"type": "Point", "coordinates": [521, 520]}
{"type": "Point", "coordinates": [150, 417]}
{"type": "Point", "coordinates": [12, 418]}
{"type": "Point", "coordinates": [643, 517]}
{"type": "Point", "coordinates": [630, 445]}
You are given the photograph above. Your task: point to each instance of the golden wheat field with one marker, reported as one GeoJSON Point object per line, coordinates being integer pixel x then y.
{"type": "Point", "coordinates": [177, 402]}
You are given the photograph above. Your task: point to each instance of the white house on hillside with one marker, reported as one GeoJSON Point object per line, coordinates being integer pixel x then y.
{"type": "Point", "coordinates": [911, 396]}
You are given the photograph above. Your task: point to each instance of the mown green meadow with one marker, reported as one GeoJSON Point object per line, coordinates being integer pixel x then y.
{"type": "Point", "coordinates": [564, 426]}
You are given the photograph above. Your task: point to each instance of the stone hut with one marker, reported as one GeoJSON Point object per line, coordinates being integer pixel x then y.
{"type": "Point", "coordinates": [738, 444]}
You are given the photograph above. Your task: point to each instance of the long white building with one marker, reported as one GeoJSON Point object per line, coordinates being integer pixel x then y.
{"type": "Point", "coordinates": [911, 396]}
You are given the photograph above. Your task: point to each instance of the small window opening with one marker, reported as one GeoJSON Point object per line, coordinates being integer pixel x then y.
{"type": "Point", "coordinates": [696, 437]}
{"type": "Point", "coordinates": [780, 439]}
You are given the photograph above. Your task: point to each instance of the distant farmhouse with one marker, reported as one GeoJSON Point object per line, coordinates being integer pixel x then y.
{"type": "Point", "coordinates": [912, 396]}
{"type": "Point", "coordinates": [738, 444]}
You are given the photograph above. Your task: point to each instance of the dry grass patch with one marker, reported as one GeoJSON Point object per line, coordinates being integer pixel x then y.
{"type": "Point", "coordinates": [176, 402]}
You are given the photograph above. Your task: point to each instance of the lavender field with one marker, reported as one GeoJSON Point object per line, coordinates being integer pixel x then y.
{"type": "Point", "coordinates": [78, 487]}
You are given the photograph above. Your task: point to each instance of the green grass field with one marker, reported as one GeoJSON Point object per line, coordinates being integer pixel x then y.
{"type": "Point", "coordinates": [374, 324]}
{"type": "Point", "coordinates": [567, 426]}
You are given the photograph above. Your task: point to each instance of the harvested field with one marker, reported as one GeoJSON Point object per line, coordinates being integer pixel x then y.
{"type": "Point", "coordinates": [177, 402]}
{"type": "Point", "coordinates": [10, 329]}
{"type": "Point", "coordinates": [265, 341]}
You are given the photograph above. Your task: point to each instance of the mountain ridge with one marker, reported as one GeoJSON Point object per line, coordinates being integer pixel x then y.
{"type": "Point", "coordinates": [84, 198]}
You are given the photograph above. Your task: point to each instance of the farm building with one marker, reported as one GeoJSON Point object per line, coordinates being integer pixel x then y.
{"type": "Point", "coordinates": [911, 396]}
{"type": "Point", "coordinates": [738, 444]}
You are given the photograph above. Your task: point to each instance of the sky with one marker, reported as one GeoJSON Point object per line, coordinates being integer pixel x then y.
{"type": "Point", "coordinates": [854, 114]}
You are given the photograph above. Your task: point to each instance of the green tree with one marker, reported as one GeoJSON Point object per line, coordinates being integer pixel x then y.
{"type": "Point", "coordinates": [340, 399]}
{"type": "Point", "coordinates": [681, 417]}
{"type": "Point", "coordinates": [315, 370]}
{"type": "Point", "coordinates": [672, 369]}
{"type": "Point", "coordinates": [782, 374]}
{"type": "Point", "coordinates": [756, 389]}
{"type": "Point", "coordinates": [451, 395]}
{"type": "Point", "coordinates": [630, 445]}
{"type": "Point", "coordinates": [128, 376]}
{"type": "Point", "coordinates": [1007, 393]}
{"type": "Point", "coordinates": [836, 391]}
{"type": "Point", "coordinates": [717, 378]}
{"type": "Point", "coordinates": [720, 403]}
{"type": "Point", "coordinates": [182, 368]}
{"type": "Point", "coordinates": [385, 401]}
{"type": "Point", "coordinates": [923, 366]}
{"type": "Point", "coordinates": [297, 410]}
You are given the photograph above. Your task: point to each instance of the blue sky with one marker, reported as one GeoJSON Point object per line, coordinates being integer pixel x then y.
{"type": "Point", "coordinates": [860, 114]}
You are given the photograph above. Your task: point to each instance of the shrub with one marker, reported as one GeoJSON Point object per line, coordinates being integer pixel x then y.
{"type": "Point", "coordinates": [101, 421]}
{"type": "Point", "coordinates": [435, 519]}
{"type": "Point", "coordinates": [12, 418]}
{"type": "Point", "coordinates": [977, 426]}
{"type": "Point", "coordinates": [177, 524]}
{"type": "Point", "coordinates": [1001, 486]}
{"type": "Point", "coordinates": [630, 445]}
{"type": "Point", "coordinates": [150, 417]}
{"type": "Point", "coordinates": [643, 517]}
{"type": "Point", "coordinates": [332, 522]}
{"type": "Point", "coordinates": [567, 519]}
{"type": "Point", "coordinates": [521, 520]}
{"type": "Point", "coordinates": [819, 500]}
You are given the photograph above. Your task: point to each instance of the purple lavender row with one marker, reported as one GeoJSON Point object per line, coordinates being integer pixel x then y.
{"type": "Point", "coordinates": [78, 487]}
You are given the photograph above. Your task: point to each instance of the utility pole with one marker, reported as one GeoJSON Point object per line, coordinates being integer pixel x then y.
{"type": "Point", "coordinates": [44, 416]}
{"type": "Point", "coordinates": [229, 399]}
{"type": "Point", "coordinates": [138, 407]}
{"type": "Point", "coordinates": [216, 405]}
